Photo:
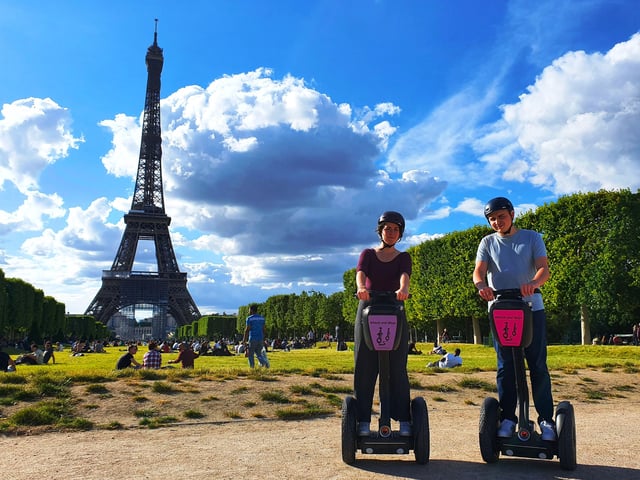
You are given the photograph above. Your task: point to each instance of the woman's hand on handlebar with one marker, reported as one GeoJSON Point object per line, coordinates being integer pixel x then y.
{"type": "Point", "coordinates": [402, 294]}
{"type": "Point", "coordinates": [363, 294]}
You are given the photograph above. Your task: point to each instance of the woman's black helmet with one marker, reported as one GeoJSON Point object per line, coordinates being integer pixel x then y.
{"type": "Point", "coordinates": [498, 203]}
{"type": "Point", "coordinates": [391, 217]}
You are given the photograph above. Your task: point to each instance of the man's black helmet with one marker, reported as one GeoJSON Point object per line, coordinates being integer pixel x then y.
{"type": "Point", "coordinates": [391, 217]}
{"type": "Point", "coordinates": [498, 203]}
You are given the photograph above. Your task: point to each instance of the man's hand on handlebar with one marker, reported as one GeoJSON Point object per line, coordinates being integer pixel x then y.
{"type": "Point", "coordinates": [526, 290]}
{"type": "Point", "coordinates": [486, 293]}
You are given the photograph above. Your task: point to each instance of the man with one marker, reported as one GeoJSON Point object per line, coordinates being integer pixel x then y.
{"type": "Point", "coordinates": [34, 358]}
{"type": "Point", "coordinates": [255, 333]}
{"type": "Point", "coordinates": [127, 360]}
{"type": "Point", "coordinates": [448, 360]}
{"type": "Point", "coordinates": [48, 353]}
{"type": "Point", "coordinates": [515, 258]}
{"type": "Point", "coordinates": [186, 356]}
{"type": "Point", "coordinates": [153, 358]}
{"type": "Point", "coordinates": [451, 360]}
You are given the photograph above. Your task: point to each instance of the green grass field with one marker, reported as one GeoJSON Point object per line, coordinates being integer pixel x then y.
{"type": "Point", "coordinates": [44, 395]}
{"type": "Point", "coordinates": [326, 358]}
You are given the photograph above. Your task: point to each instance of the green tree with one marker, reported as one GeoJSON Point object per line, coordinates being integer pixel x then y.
{"type": "Point", "coordinates": [593, 242]}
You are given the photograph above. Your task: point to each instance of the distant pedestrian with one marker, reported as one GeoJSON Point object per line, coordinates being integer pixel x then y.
{"type": "Point", "coordinates": [255, 333]}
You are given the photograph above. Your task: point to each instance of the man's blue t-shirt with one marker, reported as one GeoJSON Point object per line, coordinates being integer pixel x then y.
{"type": "Point", "coordinates": [511, 261]}
{"type": "Point", "coordinates": [255, 323]}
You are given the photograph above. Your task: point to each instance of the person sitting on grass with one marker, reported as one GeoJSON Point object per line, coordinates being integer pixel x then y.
{"type": "Point", "coordinates": [48, 353]}
{"type": "Point", "coordinates": [127, 360]}
{"type": "Point", "coordinates": [450, 360]}
{"type": "Point", "coordinates": [6, 362]}
{"type": "Point", "coordinates": [186, 356]}
{"type": "Point", "coordinates": [153, 358]}
{"type": "Point", "coordinates": [35, 357]}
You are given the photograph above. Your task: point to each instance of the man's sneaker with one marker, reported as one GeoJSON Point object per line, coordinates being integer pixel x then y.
{"type": "Point", "coordinates": [507, 427]}
{"type": "Point", "coordinates": [405, 429]}
{"type": "Point", "coordinates": [364, 429]}
{"type": "Point", "coordinates": [548, 430]}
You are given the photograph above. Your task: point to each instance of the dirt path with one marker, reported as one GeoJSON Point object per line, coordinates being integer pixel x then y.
{"type": "Point", "coordinates": [269, 449]}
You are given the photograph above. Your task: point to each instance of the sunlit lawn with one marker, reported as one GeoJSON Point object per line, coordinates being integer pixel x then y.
{"type": "Point", "coordinates": [328, 359]}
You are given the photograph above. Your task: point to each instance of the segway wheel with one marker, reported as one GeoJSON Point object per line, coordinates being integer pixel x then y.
{"type": "Point", "coordinates": [566, 428]}
{"type": "Point", "coordinates": [420, 424]}
{"type": "Point", "coordinates": [349, 429]}
{"type": "Point", "coordinates": [489, 430]}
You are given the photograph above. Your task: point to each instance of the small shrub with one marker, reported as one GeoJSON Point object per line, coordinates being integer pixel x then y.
{"type": "Point", "coordinates": [97, 388]}
{"type": "Point", "coordinates": [163, 387]}
{"type": "Point", "coordinates": [310, 410]}
{"type": "Point", "coordinates": [146, 413]}
{"type": "Point", "coordinates": [301, 390]}
{"type": "Point", "coordinates": [475, 384]}
{"type": "Point", "coordinates": [193, 414]}
{"type": "Point", "coordinates": [274, 397]}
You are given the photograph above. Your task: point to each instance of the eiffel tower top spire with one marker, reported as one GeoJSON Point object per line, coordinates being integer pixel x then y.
{"type": "Point", "coordinates": [148, 195]}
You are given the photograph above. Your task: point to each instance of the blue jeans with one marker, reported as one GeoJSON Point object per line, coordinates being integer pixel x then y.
{"type": "Point", "coordinates": [255, 348]}
{"type": "Point", "coordinates": [536, 356]}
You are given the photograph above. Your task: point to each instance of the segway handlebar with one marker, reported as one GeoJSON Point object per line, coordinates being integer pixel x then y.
{"type": "Point", "coordinates": [510, 293]}
{"type": "Point", "coordinates": [380, 294]}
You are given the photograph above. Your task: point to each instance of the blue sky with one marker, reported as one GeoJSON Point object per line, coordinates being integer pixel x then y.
{"type": "Point", "coordinates": [289, 126]}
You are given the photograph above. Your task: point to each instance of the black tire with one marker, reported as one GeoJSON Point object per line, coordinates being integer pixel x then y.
{"type": "Point", "coordinates": [489, 430]}
{"type": "Point", "coordinates": [566, 428]}
{"type": "Point", "coordinates": [349, 429]}
{"type": "Point", "coordinates": [420, 425]}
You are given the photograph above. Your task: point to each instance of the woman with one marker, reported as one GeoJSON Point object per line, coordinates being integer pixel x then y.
{"type": "Point", "coordinates": [383, 269]}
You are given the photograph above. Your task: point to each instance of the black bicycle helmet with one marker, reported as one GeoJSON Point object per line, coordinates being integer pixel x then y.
{"type": "Point", "coordinates": [391, 217]}
{"type": "Point", "coordinates": [498, 203]}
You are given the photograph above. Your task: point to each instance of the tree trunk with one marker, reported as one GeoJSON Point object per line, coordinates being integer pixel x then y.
{"type": "Point", "coordinates": [585, 325]}
{"type": "Point", "coordinates": [477, 333]}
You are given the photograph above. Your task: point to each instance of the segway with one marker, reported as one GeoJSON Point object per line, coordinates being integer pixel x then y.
{"type": "Point", "coordinates": [511, 323]}
{"type": "Point", "coordinates": [382, 333]}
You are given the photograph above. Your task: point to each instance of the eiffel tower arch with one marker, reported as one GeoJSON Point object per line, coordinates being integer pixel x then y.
{"type": "Point", "coordinates": [164, 290]}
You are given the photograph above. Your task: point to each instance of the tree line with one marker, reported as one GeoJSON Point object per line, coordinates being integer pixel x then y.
{"type": "Point", "coordinates": [593, 246]}
{"type": "Point", "coordinates": [25, 311]}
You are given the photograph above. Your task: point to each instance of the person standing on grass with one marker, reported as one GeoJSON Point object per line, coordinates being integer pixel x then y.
{"type": "Point", "coordinates": [513, 258]}
{"type": "Point", "coordinates": [255, 333]}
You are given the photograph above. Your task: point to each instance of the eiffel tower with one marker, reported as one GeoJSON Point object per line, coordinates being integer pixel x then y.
{"type": "Point", "coordinates": [166, 289]}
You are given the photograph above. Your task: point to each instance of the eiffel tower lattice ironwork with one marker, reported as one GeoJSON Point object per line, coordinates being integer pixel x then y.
{"type": "Point", "coordinates": [166, 288]}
